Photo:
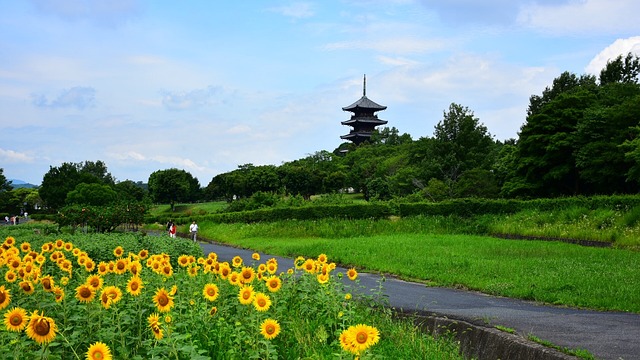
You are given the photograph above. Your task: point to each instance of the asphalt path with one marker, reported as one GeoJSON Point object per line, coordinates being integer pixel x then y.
{"type": "Point", "coordinates": [607, 335]}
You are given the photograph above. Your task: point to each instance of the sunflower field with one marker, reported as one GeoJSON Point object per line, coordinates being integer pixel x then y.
{"type": "Point", "coordinates": [60, 303]}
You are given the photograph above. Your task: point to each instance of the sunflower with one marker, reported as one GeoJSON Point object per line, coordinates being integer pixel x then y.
{"type": "Point", "coordinates": [261, 302]}
{"type": "Point", "coordinates": [85, 293]}
{"type": "Point", "coordinates": [58, 292]}
{"type": "Point", "coordinates": [9, 241]}
{"type": "Point", "coordinates": [273, 283]}
{"type": "Point", "coordinates": [110, 295]}
{"type": "Point", "coordinates": [143, 254]}
{"type": "Point", "coordinates": [255, 256]}
{"type": "Point", "coordinates": [213, 256]}
{"type": "Point", "coordinates": [352, 274]}
{"type": "Point", "coordinates": [25, 247]}
{"type": "Point", "coordinates": [135, 267]}
{"type": "Point", "coordinates": [167, 270]}
{"type": "Point", "coordinates": [236, 261]}
{"type": "Point", "coordinates": [323, 278]}
{"type": "Point", "coordinates": [16, 319]}
{"type": "Point", "coordinates": [95, 282]}
{"type": "Point", "coordinates": [99, 351]}
{"type": "Point", "coordinates": [89, 265]}
{"type": "Point", "coordinates": [59, 244]}
{"type": "Point", "coordinates": [262, 268]}
{"type": "Point", "coordinates": [234, 278]}
{"type": "Point", "coordinates": [10, 276]}
{"type": "Point", "coordinates": [68, 246]}
{"type": "Point", "coordinates": [322, 258]}
{"type": "Point", "coordinates": [299, 262]}
{"type": "Point", "coordinates": [247, 275]}
{"type": "Point", "coordinates": [163, 301]}
{"type": "Point", "coordinates": [272, 267]}
{"type": "Point", "coordinates": [118, 251]}
{"type": "Point", "coordinates": [246, 295]}
{"type": "Point", "coordinates": [210, 292]}
{"type": "Point", "coordinates": [103, 268]}
{"type": "Point", "coordinates": [359, 338]}
{"type": "Point", "coordinates": [42, 329]}
{"type": "Point", "coordinates": [193, 271]}
{"type": "Point", "coordinates": [269, 329]}
{"type": "Point", "coordinates": [224, 271]}
{"type": "Point", "coordinates": [121, 266]}
{"type": "Point", "coordinates": [309, 266]}
{"type": "Point", "coordinates": [135, 285]}
{"type": "Point", "coordinates": [183, 260]}
{"type": "Point", "coordinates": [47, 283]}
{"type": "Point", "coordinates": [27, 287]}
{"type": "Point", "coordinates": [154, 325]}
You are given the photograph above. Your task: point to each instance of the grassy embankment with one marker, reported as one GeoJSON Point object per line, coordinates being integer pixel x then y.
{"type": "Point", "coordinates": [432, 250]}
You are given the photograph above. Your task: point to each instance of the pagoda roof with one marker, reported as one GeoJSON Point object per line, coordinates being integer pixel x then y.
{"type": "Point", "coordinates": [375, 121]}
{"type": "Point", "coordinates": [364, 103]}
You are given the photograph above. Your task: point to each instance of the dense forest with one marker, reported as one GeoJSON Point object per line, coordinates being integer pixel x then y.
{"type": "Point", "coordinates": [581, 136]}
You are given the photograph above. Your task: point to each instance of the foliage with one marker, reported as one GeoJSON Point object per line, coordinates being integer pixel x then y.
{"type": "Point", "coordinates": [102, 218]}
{"type": "Point", "coordinates": [192, 307]}
{"type": "Point", "coordinates": [173, 185]}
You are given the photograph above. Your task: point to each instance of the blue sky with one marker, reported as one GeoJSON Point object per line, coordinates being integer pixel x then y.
{"type": "Point", "coordinates": [206, 86]}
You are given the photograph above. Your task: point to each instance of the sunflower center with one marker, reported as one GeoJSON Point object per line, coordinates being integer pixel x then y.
{"type": "Point", "coordinates": [85, 293]}
{"type": "Point", "coordinates": [16, 320]}
{"type": "Point", "coordinates": [211, 292]}
{"type": "Point", "coordinates": [3, 297]}
{"type": "Point", "coordinates": [134, 286]}
{"type": "Point", "coordinates": [361, 337]}
{"type": "Point", "coordinates": [98, 355]}
{"type": "Point", "coordinates": [270, 329]}
{"type": "Point", "coordinates": [246, 295]}
{"type": "Point", "coordinates": [163, 300]}
{"type": "Point", "coordinates": [42, 327]}
{"type": "Point", "coordinates": [262, 302]}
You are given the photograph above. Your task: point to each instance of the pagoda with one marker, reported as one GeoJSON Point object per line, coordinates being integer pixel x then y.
{"type": "Point", "coordinates": [364, 120]}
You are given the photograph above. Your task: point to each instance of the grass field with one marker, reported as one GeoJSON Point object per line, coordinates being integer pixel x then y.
{"type": "Point", "coordinates": [551, 272]}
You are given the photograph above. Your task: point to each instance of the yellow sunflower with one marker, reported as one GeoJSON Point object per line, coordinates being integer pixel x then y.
{"type": "Point", "coordinates": [273, 283]}
{"type": "Point", "coordinates": [118, 251]}
{"type": "Point", "coordinates": [359, 338]}
{"type": "Point", "coordinates": [27, 287]}
{"type": "Point", "coordinates": [309, 266]}
{"type": "Point", "coordinates": [193, 271]}
{"type": "Point", "coordinates": [210, 292]}
{"type": "Point", "coordinates": [16, 319]}
{"type": "Point", "coordinates": [262, 268]}
{"type": "Point", "coordinates": [143, 254]}
{"type": "Point", "coordinates": [89, 265]}
{"type": "Point", "coordinates": [41, 329]}
{"type": "Point", "coordinates": [323, 278]}
{"type": "Point", "coordinates": [47, 283]}
{"type": "Point", "coordinates": [352, 274]}
{"type": "Point", "coordinates": [154, 325]}
{"type": "Point", "coordinates": [25, 247]}
{"type": "Point", "coordinates": [163, 301]}
{"type": "Point", "coordinates": [236, 261]}
{"type": "Point", "coordinates": [99, 351]}
{"type": "Point", "coordinates": [213, 256]}
{"type": "Point", "coordinates": [95, 282]}
{"type": "Point", "coordinates": [135, 285]}
{"type": "Point", "coordinates": [255, 256]}
{"type": "Point", "coordinates": [261, 302]}
{"type": "Point", "coordinates": [213, 311]}
{"type": "Point", "coordinates": [10, 276]}
{"type": "Point", "coordinates": [68, 246]}
{"type": "Point", "coordinates": [272, 267]}
{"type": "Point", "coordinates": [322, 258]}
{"type": "Point", "coordinates": [246, 295]}
{"type": "Point", "coordinates": [58, 292]}
{"type": "Point", "coordinates": [269, 328]}
{"type": "Point", "coordinates": [85, 293]}
{"type": "Point", "coordinates": [234, 278]}
{"type": "Point", "coordinates": [59, 244]}
{"type": "Point", "coordinates": [110, 295]}
{"type": "Point", "coordinates": [103, 268]}
{"type": "Point", "coordinates": [247, 275]}
{"type": "Point", "coordinates": [121, 266]}
{"type": "Point", "coordinates": [135, 267]}
{"type": "Point", "coordinates": [224, 270]}
{"type": "Point", "coordinates": [183, 260]}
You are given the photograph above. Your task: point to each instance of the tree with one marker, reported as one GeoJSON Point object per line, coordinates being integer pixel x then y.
{"type": "Point", "coordinates": [173, 185]}
{"type": "Point", "coordinates": [621, 70]}
{"type": "Point", "coordinates": [461, 143]}
{"type": "Point", "coordinates": [130, 191]}
{"type": "Point", "coordinates": [5, 188]}
{"type": "Point", "coordinates": [59, 181]}
{"type": "Point", "coordinates": [91, 194]}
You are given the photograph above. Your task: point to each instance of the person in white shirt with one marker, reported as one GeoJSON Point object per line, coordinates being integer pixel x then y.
{"type": "Point", "coordinates": [193, 229]}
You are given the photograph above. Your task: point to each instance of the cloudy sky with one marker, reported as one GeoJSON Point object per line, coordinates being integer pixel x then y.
{"type": "Point", "coordinates": [206, 86]}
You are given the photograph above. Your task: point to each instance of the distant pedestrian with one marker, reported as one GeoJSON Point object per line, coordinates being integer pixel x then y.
{"type": "Point", "coordinates": [172, 231]}
{"type": "Point", "coordinates": [169, 225]}
{"type": "Point", "coordinates": [193, 229]}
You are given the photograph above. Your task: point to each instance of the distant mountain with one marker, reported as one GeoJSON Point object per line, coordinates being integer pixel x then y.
{"type": "Point", "coordinates": [17, 184]}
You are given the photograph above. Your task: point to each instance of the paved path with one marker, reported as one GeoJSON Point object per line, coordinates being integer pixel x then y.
{"type": "Point", "coordinates": [607, 335]}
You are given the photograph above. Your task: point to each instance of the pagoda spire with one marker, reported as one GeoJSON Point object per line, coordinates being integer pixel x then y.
{"type": "Point", "coordinates": [364, 86]}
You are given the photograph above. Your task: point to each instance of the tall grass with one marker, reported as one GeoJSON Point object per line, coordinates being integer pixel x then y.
{"type": "Point", "coordinates": [551, 272]}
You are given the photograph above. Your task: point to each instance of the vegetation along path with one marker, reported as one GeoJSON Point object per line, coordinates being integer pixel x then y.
{"type": "Point", "coordinates": [606, 335]}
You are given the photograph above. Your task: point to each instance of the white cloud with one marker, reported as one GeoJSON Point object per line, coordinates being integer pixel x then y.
{"type": "Point", "coordinates": [619, 47]}
{"type": "Point", "coordinates": [11, 156]}
{"type": "Point", "coordinates": [583, 16]}
{"type": "Point", "coordinates": [79, 97]}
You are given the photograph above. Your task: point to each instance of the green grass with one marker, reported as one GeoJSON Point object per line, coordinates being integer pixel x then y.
{"type": "Point", "coordinates": [550, 272]}
{"type": "Point", "coordinates": [188, 209]}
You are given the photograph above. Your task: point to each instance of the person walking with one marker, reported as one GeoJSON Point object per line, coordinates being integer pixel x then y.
{"type": "Point", "coordinates": [172, 231]}
{"type": "Point", "coordinates": [193, 229]}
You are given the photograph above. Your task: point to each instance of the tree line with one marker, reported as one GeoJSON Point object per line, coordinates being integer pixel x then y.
{"type": "Point", "coordinates": [581, 136]}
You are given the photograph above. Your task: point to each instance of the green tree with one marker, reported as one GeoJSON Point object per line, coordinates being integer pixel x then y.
{"type": "Point", "coordinates": [59, 181]}
{"type": "Point", "coordinates": [130, 191]}
{"type": "Point", "coordinates": [462, 143]}
{"type": "Point", "coordinates": [91, 194]}
{"type": "Point", "coordinates": [5, 188]}
{"type": "Point", "coordinates": [173, 185]}
{"type": "Point", "coordinates": [621, 70]}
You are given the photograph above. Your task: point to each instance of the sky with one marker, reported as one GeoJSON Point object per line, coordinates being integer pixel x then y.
{"type": "Point", "coordinates": [206, 86]}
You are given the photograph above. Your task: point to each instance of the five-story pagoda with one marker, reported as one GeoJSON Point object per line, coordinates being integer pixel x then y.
{"type": "Point", "coordinates": [364, 120]}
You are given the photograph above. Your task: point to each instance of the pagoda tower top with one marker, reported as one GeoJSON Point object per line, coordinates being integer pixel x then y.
{"type": "Point", "coordinates": [364, 119]}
